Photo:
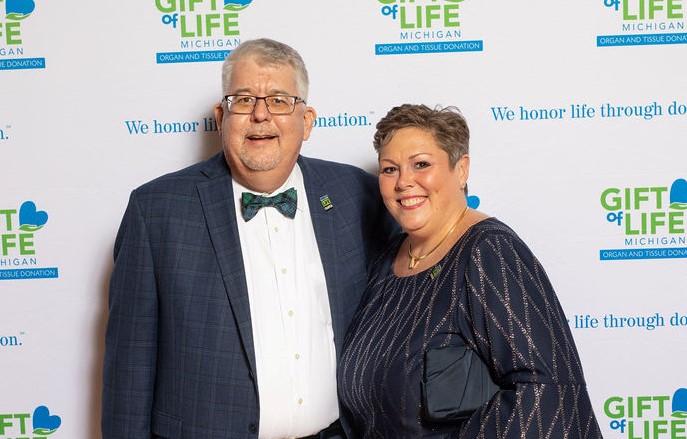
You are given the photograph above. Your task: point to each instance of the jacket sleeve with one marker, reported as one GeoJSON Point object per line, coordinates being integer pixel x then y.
{"type": "Point", "coordinates": [514, 320]}
{"type": "Point", "coordinates": [131, 334]}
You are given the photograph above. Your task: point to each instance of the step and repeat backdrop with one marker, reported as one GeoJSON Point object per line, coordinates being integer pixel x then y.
{"type": "Point", "coordinates": [578, 113]}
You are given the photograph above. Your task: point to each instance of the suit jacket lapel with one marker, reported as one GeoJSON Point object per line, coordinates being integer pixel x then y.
{"type": "Point", "coordinates": [325, 234]}
{"type": "Point", "coordinates": [217, 200]}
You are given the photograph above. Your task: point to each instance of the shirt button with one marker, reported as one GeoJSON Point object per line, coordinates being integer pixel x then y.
{"type": "Point", "coordinates": [283, 270]}
{"type": "Point", "coordinates": [298, 356]}
{"type": "Point", "coordinates": [300, 401]}
{"type": "Point", "coordinates": [290, 313]}
{"type": "Point", "coordinates": [276, 229]}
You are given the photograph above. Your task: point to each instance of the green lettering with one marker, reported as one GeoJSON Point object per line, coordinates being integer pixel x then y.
{"type": "Point", "coordinates": [4, 423]}
{"type": "Point", "coordinates": [614, 203]}
{"type": "Point", "coordinates": [626, 13]}
{"type": "Point", "coordinates": [628, 225]}
{"type": "Point", "coordinates": [22, 421]}
{"type": "Point", "coordinates": [229, 24]}
{"type": "Point", "coordinates": [7, 243]}
{"type": "Point", "coordinates": [660, 427]}
{"type": "Point", "coordinates": [404, 23]}
{"type": "Point", "coordinates": [191, 4]}
{"type": "Point", "coordinates": [677, 426]}
{"type": "Point", "coordinates": [184, 32]}
{"type": "Point", "coordinates": [166, 5]}
{"type": "Point", "coordinates": [450, 17]}
{"type": "Point", "coordinates": [673, 7]}
{"type": "Point", "coordinates": [643, 403]}
{"type": "Point", "coordinates": [675, 220]}
{"type": "Point", "coordinates": [659, 191]}
{"type": "Point", "coordinates": [12, 32]}
{"type": "Point", "coordinates": [26, 244]}
{"type": "Point", "coordinates": [8, 215]}
{"type": "Point", "coordinates": [639, 197]}
{"type": "Point", "coordinates": [614, 408]}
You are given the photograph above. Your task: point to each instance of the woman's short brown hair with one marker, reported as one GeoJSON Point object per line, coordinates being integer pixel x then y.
{"type": "Point", "coordinates": [447, 125]}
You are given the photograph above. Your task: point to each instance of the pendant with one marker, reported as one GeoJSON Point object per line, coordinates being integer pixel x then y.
{"type": "Point", "coordinates": [412, 263]}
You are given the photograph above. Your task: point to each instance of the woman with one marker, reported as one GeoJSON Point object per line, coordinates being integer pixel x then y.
{"type": "Point", "coordinates": [456, 277]}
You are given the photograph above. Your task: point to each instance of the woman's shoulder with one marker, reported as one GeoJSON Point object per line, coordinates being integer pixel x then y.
{"type": "Point", "coordinates": [491, 242]}
{"type": "Point", "coordinates": [491, 228]}
{"type": "Point", "coordinates": [492, 235]}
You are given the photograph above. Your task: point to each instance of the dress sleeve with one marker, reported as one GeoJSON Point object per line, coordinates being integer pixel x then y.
{"type": "Point", "coordinates": [131, 335]}
{"type": "Point", "coordinates": [510, 314]}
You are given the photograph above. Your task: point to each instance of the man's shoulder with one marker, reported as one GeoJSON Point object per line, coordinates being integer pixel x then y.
{"type": "Point", "coordinates": [331, 172]}
{"type": "Point", "coordinates": [318, 163]}
{"type": "Point", "coordinates": [186, 178]}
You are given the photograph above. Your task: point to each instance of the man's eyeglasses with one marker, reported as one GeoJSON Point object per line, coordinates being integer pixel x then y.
{"type": "Point", "coordinates": [276, 104]}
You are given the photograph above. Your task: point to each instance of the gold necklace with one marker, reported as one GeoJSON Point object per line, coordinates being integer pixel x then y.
{"type": "Point", "coordinates": [413, 261]}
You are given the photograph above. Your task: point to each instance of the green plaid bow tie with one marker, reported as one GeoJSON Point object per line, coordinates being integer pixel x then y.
{"type": "Point", "coordinates": [284, 202]}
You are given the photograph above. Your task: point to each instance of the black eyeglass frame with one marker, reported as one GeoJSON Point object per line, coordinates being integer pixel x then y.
{"type": "Point", "coordinates": [296, 100]}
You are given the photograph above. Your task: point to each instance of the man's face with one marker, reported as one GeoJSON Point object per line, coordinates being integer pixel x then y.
{"type": "Point", "coordinates": [262, 148]}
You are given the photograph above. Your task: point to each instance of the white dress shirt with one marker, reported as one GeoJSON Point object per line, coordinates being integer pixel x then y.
{"type": "Point", "coordinates": [291, 318]}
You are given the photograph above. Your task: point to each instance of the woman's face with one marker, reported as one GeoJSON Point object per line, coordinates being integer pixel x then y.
{"type": "Point", "coordinates": [417, 183]}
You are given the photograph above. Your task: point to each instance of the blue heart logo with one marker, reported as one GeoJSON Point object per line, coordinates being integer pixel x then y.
{"type": "Point", "coordinates": [19, 9]}
{"type": "Point", "coordinates": [31, 219]}
{"type": "Point", "coordinates": [43, 422]}
{"type": "Point", "coordinates": [236, 5]}
{"type": "Point", "coordinates": [680, 403]}
{"type": "Point", "coordinates": [473, 201]}
{"type": "Point", "coordinates": [678, 194]}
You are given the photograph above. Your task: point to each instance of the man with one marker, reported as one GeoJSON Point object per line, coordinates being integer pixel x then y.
{"type": "Point", "coordinates": [226, 320]}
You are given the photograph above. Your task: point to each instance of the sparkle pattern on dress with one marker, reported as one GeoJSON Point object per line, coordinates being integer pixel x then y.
{"type": "Point", "coordinates": [491, 291]}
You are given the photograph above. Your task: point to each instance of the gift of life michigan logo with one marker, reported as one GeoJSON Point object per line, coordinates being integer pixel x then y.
{"type": "Point", "coordinates": [424, 26]}
{"type": "Point", "coordinates": [12, 45]}
{"type": "Point", "coordinates": [648, 416]}
{"type": "Point", "coordinates": [37, 425]}
{"type": "Point", "coordinates": [649, 221]}
{"type": "Point", "coordinates": [207, 30]}
{"type": "Point", "coordinates": [19, 230]}
{"type": "Point", "coordinates": [645, 22]}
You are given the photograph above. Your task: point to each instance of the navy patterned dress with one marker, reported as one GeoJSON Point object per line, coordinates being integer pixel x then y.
{"type": "Point", "coordinates": [501, 303]}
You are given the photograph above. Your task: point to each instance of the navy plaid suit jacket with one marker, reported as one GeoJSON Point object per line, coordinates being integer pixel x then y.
{"type": "Point", "coordinates": [179, 353]}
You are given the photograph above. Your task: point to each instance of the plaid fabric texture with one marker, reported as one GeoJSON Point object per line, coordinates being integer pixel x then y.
{"type": "Point", "coordinates": [284, 202]}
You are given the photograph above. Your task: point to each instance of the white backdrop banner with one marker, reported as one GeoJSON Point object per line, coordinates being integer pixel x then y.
{"type": "Point", "coordinates": [578, 113]}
